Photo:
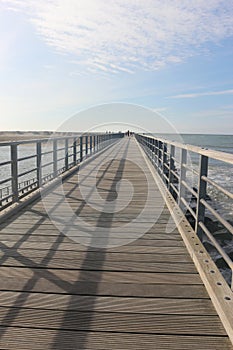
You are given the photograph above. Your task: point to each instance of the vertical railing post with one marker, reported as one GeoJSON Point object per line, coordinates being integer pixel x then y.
{"type": "Point", "coordinates": [182, 190]}
{"type": "Point", "coordinates": [91, 143]}
{"type": "Point", "coordinates": [151, 149]}
{"type": "Point", "coordinates": [54, 158]}
{"type": "Point", "coordinates": [165, 153]}
{"type": "Point", "coordinates": [156, 153]}
{"type": "Point", "coordinates": [94, 142]}
{"type": "Point", "coordinates": [14, 173]}
{"type": "Point", "coordinates": [162, 162]}
{"type": "Point", "coordinates": [200, 211]}
{"type": "Point", "coordinates": [66, 153]}
{"type": "Point", "coordinates": [81, 148]}
{"type": "Point", "coordinates": [171, 167]}
{"type": "Point", "coordinates": [86, 141]}
{"type": "Point", "coordinates": [160, 145]}
{"type": "Point", "coordinates": [165, 169]}
{"type": "Point", "coordinates": [38, 164]}
{"type": "Point", "coordinates": [75, 151]}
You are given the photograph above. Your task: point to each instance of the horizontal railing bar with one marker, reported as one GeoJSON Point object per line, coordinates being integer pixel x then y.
{"type": "Point", "coordinates": [177, 161]}
{"type": "Point", "coordinates": [189, 208]}
{"type": "Point", "coordinates": [217, 245]}
{"type": "Point", "coordinates": [6, 163]}
{"type": "Point", "coordinates": [45, 153]}
{"type": "Point", "coordinates": [26, 157]}
{"type": "Point", "coordinates": [59, 159]}
{"type": "Point", "coordinates": [220, 188]}
{"type": "Point", "coordinates": [6, 198]}
{"type": "Point", "coordinates": [166, 166]}
{"type": "Point", "coordinates": [189, 168]}
{"type": "Point", "coordinates": [27, 172]}
{"type": "Point", "coordinates": [219, 217]}
{"type": "Point", "coordinates": [46, 164]}
{"type": "Point", "coordinates": [5, 180]}
{"type": "Point", "coordinates": [189, 188]}
{"type": "Point", "coordinates": [174, 188]}
{"type": "Point", "coordinates": [175, 174]}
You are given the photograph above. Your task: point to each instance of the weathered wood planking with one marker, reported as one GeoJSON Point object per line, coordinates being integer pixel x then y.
{"type": "Point", "coordinates": [56, 293]}
{"type": "Point", "coordinates": [37, 339]}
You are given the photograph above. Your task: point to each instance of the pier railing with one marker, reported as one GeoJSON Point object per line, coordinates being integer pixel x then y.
{"type": "Point", "coordinates": [29, 164]}
{"type": "Point", "coordinates": [173, 162]}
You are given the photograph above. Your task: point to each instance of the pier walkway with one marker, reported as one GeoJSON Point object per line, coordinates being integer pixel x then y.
{"type": "Point", "coordinates": [98, 263]}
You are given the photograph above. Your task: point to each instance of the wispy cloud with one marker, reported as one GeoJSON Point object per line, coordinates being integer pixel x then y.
{"type": "Point", "coordinates": [215, 115]}
{"type": "Point", "coordinates": [159, 110]}
{"type": "Point", "coordinates": [127, 35]}
{"type": "Point", "coordinates": [207, 93]}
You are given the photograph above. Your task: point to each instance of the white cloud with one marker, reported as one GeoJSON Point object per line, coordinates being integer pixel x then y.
{"type": "Point", "coordinates": [213, 114]}
{"type": "Point", "coordinates": [207, 93]}
{"type": "Point", "coordinates": [159, 110]}
{"type": "Point", "coordinates": [121, 35]}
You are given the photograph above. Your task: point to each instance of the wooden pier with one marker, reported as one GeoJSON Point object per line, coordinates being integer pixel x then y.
{"type": "Point", "coordinates": [59, 291]}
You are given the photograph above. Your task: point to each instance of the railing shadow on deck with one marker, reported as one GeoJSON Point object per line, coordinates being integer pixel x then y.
{"type": "Point", "coordinates": [79, 340]}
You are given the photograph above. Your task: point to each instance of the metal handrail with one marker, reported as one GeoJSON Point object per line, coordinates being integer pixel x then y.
{"type": "Point", "coordinates": [75, 148]}
{"type": "Point", "coordinates": [165, 165]}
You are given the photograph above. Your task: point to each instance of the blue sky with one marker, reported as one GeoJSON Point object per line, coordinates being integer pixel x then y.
{"type": "Point", "coordinates": [60, 57]}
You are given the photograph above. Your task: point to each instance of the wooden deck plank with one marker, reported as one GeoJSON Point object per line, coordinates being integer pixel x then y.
{"type": "Point", "coordinates": [71, 340]}
{"type": "Point", "coordinates": [43, 285]}
{"type": "Point", "coordinates": [106, 266]}
{"type": "Point", "coordinates": [108, 304]}
{"type": "Point", "coordinates": [96, 256]}
{"type": "Point", "coordinates": [105, 276]}
{"type": "Point", "coordinates": [112, 321]}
